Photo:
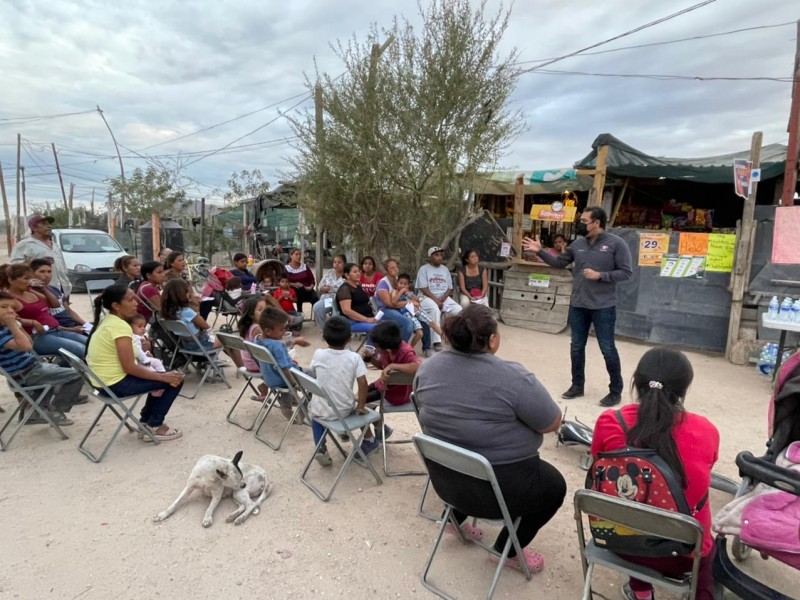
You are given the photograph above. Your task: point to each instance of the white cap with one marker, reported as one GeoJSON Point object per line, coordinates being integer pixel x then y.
{"type": "Point", "coordinates": [433, 250]}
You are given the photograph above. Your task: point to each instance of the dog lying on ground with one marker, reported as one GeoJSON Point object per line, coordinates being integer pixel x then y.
{"type": "Point", "coordinates": [216, 477]}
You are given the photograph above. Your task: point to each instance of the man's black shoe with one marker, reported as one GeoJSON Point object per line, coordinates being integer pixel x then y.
{"type": "Point", "coordinates": [611, 399]}
{"type": "Point", "coordinates": [573, 392]}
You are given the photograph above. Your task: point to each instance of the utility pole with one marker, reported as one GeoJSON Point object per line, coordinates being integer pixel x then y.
{"type": "Point", "coordinates": [24, 195]}
{"type": "Point", "coordinates": [69, 208]}
{"type": "Point", "coordinates": [320, 133]}
{"type": "Point", "coordinates": [112, 230]}
{"type": "Point", "coordinates": [5, 210]}
{"type": "Point", "coordinates": [121, 169]}
{"type": "Point", "coordinates": [91, 210]}
{"type": "Point", "coordinates": [19, 186]}
{"type": "Point", "coordinates": [790, 175]}
{"type": "Point", "coordinates": [203, 226]}
{"type": "Point", "coordinates": [60, 179]}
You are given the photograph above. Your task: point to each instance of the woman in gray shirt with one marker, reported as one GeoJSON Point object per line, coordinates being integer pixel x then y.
{"type": "Point", "coordinates": [471, 398]}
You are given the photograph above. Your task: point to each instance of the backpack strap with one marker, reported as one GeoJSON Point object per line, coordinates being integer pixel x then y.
{"type": "Point", "coordinates": [700, 505]}
{"type": "Point", "coordinates": [621, 421]}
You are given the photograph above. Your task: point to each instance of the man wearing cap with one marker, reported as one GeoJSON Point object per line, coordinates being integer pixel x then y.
{"type": "Point", "coordinates": [39, 244]}
{"type": "Point", "coordinates": [436, 286]}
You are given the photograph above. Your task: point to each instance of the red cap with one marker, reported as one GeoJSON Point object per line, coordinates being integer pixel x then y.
{"type": "Point", "coordinates": [37, 218]}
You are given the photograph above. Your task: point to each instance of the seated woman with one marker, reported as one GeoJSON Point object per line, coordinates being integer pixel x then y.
{"type": "Point", "coordinates": [129, 268]}
{"type": "Point", "coordinates": [387, 299]}
{"type": "Point", "coordinates": [112, 359]}
{"type": "Point", "coordinates": [175, 266]}
{"type": "Point", "coordinates": [301, 278]}
{"type": "Point", "coordinates": [59, 305]}
{"type": "Point", "coordinates": [473, 280]}
{"type": "Point", "coordinates": [687, 442]}
{"type": "Point", "coordinates": [354, 302]}
{"type": "Point", "coordinates": [473, 399]}
{"type": "Point", "coordinates": [369, 276]}
{"type": "Point", "coordinates": [241, 271]}
{"type": "Point", "coordinates": [149, 289]}
{"type": "Point", "coordinates": [34, 312]}
{"type": "Point", "coordinates": [330, 284]}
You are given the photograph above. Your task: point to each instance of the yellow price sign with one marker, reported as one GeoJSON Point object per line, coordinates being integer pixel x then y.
{"type": "Point", "coordinates": [652, 247]}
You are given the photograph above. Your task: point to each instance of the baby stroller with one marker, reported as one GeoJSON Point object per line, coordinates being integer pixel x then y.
{"type": "Point", "coordinates": [765, 515]}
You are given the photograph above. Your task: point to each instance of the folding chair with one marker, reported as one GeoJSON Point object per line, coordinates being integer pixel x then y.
{"type": "Point", "coordinates": [359, 335]}
{"type": "Point", "coordinates": [234, 342]}
{"type": "Point", "coordinates": [32, 396]}
{"type": "Point", "coordinates": [227, 308]}
{"type": "Point", "coordinates": [179, 330]}
{"type": "Point", "coordinates": [384, 408]}
{"type": "Point", "coordinates": [477, 467]}
{"type": "Point", "coordinates": [640, 517]}
{"type": "Point", "coordinates": [261, 355]}
{"type": "Point", "coordinates": [421, 507]}
{"type": "Point", "coordinates": [110, 401]}
{"type": "Point", "coordinates": [339, 426]}
{"type": "Point", "coordinates": [96, 286]}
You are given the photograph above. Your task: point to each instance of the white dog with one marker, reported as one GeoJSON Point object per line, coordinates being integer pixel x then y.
{"type": "Point", "coordinates": [216, 477]}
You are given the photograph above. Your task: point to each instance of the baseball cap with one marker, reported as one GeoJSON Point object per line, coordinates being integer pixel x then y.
{"type": "Point", "coordinates": [433, 250]}
{"type": "Point", "coordinates": [37, 218]}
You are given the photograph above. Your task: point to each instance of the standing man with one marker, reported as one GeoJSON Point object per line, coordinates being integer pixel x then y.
{"type": "Point", "coordinates": [601, 261]}
{"type": "Point", "coordinates": [39, 244]}
{"type": "Point", "coordinates": [436, 286]}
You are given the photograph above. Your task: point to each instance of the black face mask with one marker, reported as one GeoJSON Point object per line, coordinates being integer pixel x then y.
{"type": "Point", "coordinates": [581, 229]}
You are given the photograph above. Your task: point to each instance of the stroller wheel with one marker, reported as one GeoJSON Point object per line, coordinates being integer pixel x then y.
{"type": "Point", "coordinates": [740, 550]}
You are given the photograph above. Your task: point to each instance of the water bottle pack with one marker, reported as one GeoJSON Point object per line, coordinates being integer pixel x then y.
{"type": "Point", "coordinates": [787, 311]}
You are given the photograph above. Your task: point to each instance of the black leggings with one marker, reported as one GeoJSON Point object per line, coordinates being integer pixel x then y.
{"type": "Point", "coordinates": [532, 488]}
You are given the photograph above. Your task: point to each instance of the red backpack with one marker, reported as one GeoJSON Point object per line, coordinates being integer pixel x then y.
{"type": "Point", "coordinates": [638, 475]}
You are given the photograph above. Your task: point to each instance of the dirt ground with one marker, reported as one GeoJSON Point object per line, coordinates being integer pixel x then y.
{"type": "Point", "coordinates": [74, 529]}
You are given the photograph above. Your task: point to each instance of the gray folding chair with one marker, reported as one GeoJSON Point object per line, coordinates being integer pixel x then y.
{"type": "Point", "coordinates": [95, 287]}
{"type": "Point", "coordinates": [180, 330]}
{"type": "Point", "coordinates": [384, 408]}
{"type": "Point", "coordinates": [640, 517]}
{"type": "Point", "coordinates": [261, 355]}
{"type": "Point", "coordinates": [360, 336]}
{"type": "Point", "coordinates": [470, 464]}
{"type": "Point", "coordinates": [35, 397]}
{"type": "Point", "coordinates": [234, 342]}
{"type": "Point", "coordinates": [111, 402]}
{"type": "Point", "coordinates": [354, 426]}
{"type": "Point", "coordinates": [421, 508]}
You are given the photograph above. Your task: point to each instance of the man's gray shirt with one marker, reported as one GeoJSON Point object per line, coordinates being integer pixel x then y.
{"type": "Point", "coordinates": [609, 255]}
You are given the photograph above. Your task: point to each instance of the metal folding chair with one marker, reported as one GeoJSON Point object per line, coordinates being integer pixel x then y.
{"type": "Point", "coordinates": [421, 508]}
{"type": "Point", "coordinates": [179, 330]}
{"type": "Point", "coordinates": [261, 355]}
{"type": "Point", "coordinates": [470, 464]}
{"type": "Point", "coordinates": [111, 402]}
{"type": "Point", "coordinates": [33, 396]}
{"type": "Point", "coordinates": [336, 311]}
{"type": "Point", "coordinates": [226, 307]}
{"type": "Point", "coordinates": [384, 408]}
{"type": "Point", "coordinates": [96, 286]}
{"type": "Point", "coordinates": [354, 426]}
{"type": "Point", "coordinates": [640, 517]}
{"type": "Point", "coordinates": [234, 342]}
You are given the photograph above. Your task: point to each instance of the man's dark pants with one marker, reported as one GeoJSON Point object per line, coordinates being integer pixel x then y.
{"type": "Point", "coordinates": [604, 320]}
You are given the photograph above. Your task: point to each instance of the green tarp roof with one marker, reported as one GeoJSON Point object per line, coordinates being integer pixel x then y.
{"type": "Point", "coordinates": [548, 181]}
{"type": "Point", "coordinates": [626, 161]}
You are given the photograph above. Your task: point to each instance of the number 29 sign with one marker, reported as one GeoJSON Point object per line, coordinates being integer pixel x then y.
{"type": "Point", "coordinates": [652, 247]}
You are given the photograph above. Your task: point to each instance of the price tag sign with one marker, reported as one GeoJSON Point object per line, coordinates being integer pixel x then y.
{"type": "Point", "coordinates": [505, 249]}
{"type": "Point", "coordinates": [652, 247]}
{"type": "Point", "coordinates": [538, 280]}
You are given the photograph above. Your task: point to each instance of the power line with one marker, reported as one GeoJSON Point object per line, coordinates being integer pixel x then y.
{"type": "Point", "coordinates": [657, 77]}
{"type": "Point", "coordinates": [18, 120]}
{"type": "Point", "coordinates": [621, 35]}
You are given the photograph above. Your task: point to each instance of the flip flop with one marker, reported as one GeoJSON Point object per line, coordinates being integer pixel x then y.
{"type": "Point", "coordinates": [170, 434]}
{"type": "Point", "coordinates": [534, 559]}
{"type": "Point", "coordinates": [470, 532]}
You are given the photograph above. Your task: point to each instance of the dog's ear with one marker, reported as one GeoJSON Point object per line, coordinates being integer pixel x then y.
{"type": "Point", "coordinates": [222, 474]}
{"type": "Point", "coordinates": [237, 457]}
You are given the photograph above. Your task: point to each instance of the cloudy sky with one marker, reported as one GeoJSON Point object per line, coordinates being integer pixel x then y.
{"type": "Point", "coordinates": [161, 70]}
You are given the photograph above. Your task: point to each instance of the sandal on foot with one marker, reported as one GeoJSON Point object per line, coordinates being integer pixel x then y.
{"type": "Point", "coordinates": [470, 532]}
{"type": "Point", "coordinates": [169, 434]}
{"type": "Point", "coordinates": [534, 559]}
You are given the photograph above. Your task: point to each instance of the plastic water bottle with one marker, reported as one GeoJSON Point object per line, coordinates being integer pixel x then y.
{"type": "Point", "coordinates": [786, 310]}
{"type": "Point", "coordinates": [253, 289]}
{"type": "Point", "coordinates": [250, 260]}
{"type": "Point", "coordinates": [764, 366]}
{"type": "Point", "coordinates": [796, 312]}
{"type": "Point", "coordinates": [774, 307]}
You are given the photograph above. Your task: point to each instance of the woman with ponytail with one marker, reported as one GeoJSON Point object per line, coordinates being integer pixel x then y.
{"type": "Point", "coordinates": [687, 442]}
{"type": "Point", "coordinates": [473, 399]}
{"type": "Point", "coordinates": [112, 359]}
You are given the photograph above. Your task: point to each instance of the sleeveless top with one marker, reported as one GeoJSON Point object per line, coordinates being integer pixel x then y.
{"type": "Point", "coordinates": [473, 282]}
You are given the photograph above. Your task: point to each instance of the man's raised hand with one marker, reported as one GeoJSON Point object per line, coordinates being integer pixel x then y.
{"type": "Point", "coordinates": [531, 244]}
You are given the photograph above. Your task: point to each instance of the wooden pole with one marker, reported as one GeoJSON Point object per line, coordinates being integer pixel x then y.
{"type": "Point", "coordinates": [735, 350]}
{"type": "Point", "coordinates": [319, 132]}
{"type": "Point", "coordinates": [5, 211]}
{"type": "Point", "coordinates": [596, 196]}
{"type": "Point", "coordinates": [91, 209]}
{"type": "Point", "coordinates": [790, 174]}
{"type": "Point", "coordinates": [60, 178]}
{"type": "Point", "coordinates": [614, 212]}
{"type": "Point", "coordinates": [19, 186]}
{"type": "Point", "coordinates": [24, 195]}
{"type": "Point", "coordinates": [519, 208]}
{"type": "Point", "coordinates": [69, 207]}
{"type": "Point", "coordinates": [156, 239]}
{"type": "Point", "coordinates": [203, 226]}
{"type": "Point", "coordinates": [112, 228]}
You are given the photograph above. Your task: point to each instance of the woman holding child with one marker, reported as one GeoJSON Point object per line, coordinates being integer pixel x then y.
{"type": "Point", "coordinates": [473, 399]}
{"type": "Point", "coordinates": [330, 284]}
{"type": "Point", "coordinates": [388, 299]}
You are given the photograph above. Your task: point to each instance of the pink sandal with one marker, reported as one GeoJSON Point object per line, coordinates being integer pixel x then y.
{"type": "Point", "coordinates": [534, 559]}
{"type": "Point", "coordinates": [470, 532]}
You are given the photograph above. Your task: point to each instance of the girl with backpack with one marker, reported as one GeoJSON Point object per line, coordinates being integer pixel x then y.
{"type": "Point", "coordinates": [688, 443]}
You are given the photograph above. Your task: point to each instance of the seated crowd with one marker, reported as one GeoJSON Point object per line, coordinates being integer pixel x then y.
{"type": "Point", "coordinates": [502, 410]}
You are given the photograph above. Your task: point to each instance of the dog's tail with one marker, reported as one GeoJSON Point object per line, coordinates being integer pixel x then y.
{"type": "Point", "coordinates": [264, 494]}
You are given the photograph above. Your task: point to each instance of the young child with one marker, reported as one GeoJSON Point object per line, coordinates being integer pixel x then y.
{"type": "Point", "coordinates": [336, 368]}
{"type": "Point", "coordinates": [286, 296]}
{"type": "Point", "coordinates": [234, 287]}
{"type": "Point", "coordinates": [273, 323]}
{"type": "Point", "coordinates": [419, 316]}
{"type": "Point", "coordinates": [241, 271]}
{"type": "Point", "coordinates": [59, 307]}
{"type": "Point", "coordinates": [141, 349]}
{"type": "Point", "coordinates": [266, 284]}
{"type": "Point", "coordinates": [250, 331]}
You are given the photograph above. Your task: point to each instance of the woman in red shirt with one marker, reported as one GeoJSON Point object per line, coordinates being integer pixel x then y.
{"type": "Point", "coordinates": [369, 276]}
{"type": "Point", "coordinates": [301, 279]}
{"type": "Point", "coordinates": [687, 442]}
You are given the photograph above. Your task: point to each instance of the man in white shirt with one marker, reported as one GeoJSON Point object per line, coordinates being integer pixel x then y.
{"type": "Point", "coordinates": [40, 245]}
{"type": "Point", "coordinates": [435, 285]}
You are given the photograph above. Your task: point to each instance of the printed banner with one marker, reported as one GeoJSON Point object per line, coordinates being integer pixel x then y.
{"type": "Point", "coordinates": [675, 265]}
{"type": "Point", "coordinates": [721, 250]}
{"type": "Point", "coordinates": [652, 247]}
{"type": "Point", "coordinates": [539, 280]}
{"type": "Point", "coordinates": [693, 244]}
{"type": "Point", "coordinates": [553, 212]}
{"type": "Point", "coordinates": [742, 171]}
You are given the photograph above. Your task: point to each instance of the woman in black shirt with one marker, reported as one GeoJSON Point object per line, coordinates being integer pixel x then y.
{"type": "Point", "coordinates": [354, 303]}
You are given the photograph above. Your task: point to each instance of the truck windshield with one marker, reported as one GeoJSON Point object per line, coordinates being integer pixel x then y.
{"type": "Point", "coordinates": [88, 242]}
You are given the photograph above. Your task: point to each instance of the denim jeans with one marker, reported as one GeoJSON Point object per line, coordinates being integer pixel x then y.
{"type": "Point", "coordinates": [361, 327]}
{"type": "Point", "coordinates": [66, 384]}
{"type": "Point", "coordinates": [49, 343]}
{"type": "Point", "coordinates": [318, 431]}
{"type": "Point", "coordinates": [603, 319]}
{"type": "Point", "coordinates": [405, 322]}
{"type": "Point", "coordinates": [155, 409]}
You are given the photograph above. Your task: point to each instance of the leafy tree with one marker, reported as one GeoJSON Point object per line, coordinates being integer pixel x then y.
{"type": "Point", "coordinates": [153, 190]}
{"type": "Point", "coordinates": [406, 128]}
{"type": "Point", "coordinates": [245, 184]}
{"type": "Point", "coordinates": [81, 216]}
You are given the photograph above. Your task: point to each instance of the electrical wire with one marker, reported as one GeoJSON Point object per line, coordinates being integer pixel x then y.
{"type": "Point", "coordinates": [19, 120]}
{"type": "Point", "coordinates": [658, 77]}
